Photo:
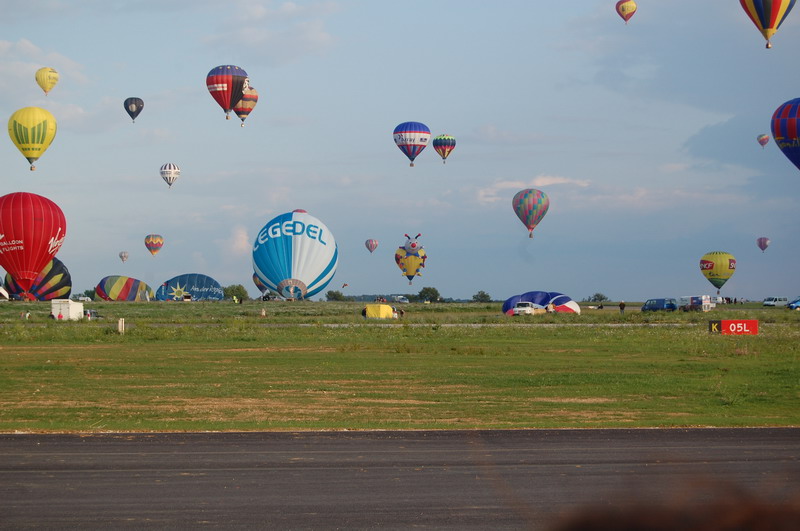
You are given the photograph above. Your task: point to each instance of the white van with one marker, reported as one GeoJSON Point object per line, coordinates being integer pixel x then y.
{"type": "Point", "coordinates": [776, 301]}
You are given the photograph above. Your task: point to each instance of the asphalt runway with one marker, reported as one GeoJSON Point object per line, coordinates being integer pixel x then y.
{"type": "Point", "coordinates": [392, 480]}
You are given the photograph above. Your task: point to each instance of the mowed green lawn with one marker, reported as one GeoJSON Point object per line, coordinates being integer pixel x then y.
{"type": "Point", "coordinates": [192, 367]}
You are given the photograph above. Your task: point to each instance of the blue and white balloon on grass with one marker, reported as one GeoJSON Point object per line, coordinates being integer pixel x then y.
{"type": "Point", "coordinates": [295, 255]}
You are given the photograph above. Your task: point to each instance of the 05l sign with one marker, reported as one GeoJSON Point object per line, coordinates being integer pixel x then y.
{"type": "Point", "coordinates": [734, 327]}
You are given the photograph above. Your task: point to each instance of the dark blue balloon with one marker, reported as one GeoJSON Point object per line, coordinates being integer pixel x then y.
{"type": "Point", "coordinates": [199, 287]}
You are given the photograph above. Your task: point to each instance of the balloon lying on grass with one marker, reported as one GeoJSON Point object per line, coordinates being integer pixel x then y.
{"type": "Point", "coordinates": [541, 299]}
{"type": "Point", "coordinates": [195, 286]}
{"type": "Point", "coordinates": [122, 288]}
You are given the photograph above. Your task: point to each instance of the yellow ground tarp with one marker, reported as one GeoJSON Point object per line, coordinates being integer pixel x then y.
{"type": "Point", "coordinates": [379, 311]}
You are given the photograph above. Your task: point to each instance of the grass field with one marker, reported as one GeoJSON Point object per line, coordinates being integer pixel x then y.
{"type": "Point", "coordinates": [221, 366]}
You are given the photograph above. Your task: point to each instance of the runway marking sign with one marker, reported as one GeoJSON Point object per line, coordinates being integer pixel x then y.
{"type": "Point", "coordinates": [737, 327]}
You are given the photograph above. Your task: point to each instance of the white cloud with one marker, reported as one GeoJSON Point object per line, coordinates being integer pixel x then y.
{"type": "Point", "coordinates": [498, 190]}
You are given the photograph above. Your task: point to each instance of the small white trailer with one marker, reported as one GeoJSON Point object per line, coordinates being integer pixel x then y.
{"type": "Point", "coordinates": [65, 309]}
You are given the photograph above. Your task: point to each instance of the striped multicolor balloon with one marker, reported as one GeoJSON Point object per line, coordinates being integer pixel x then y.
{"type": "Point", "coordinates": [444, 144]}
{"type": "Point", "coordinates": [154, 243]}
{"type": "Point", "coordinates": [411, 138]}
{"type": "Point", "coordinates": [246, 104]}
{"type": "Point", "coordinates": [767, 15]}
{"type": "Point", "coordinates": [530, 205]}
{"type": "Point", "coordinates": [371, 245]}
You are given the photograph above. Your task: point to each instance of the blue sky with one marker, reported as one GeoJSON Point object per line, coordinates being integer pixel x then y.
{"type": "Point", "coordinates": [643, 135]}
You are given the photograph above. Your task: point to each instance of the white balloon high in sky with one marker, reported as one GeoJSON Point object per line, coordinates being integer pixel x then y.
{"type": "Point", "coordinates": [647, 158]}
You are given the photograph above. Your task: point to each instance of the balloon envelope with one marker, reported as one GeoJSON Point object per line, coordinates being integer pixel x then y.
{"type": "Point", "coordinates": [411, 138]}
{"type": "Point", "coordinates": [767, 15]}
{"type": "Point", "coordinates": [170, 173]}
{"type": "Point", "coordinates": [226, 84]}
{"type": "Point", "coordinates": [32, 229]}
{"type": "Point", "coordinates": [32, 130]}
{"type": "Point", "coordinates": [444, 145]}
{"type": "Point", "coordinates": [260, 285]}
{"type": "Point", "coordinates": [246, 104]}
{"type": "Point", "coordinates": [133, 106]}
{"type": "Point", "coordinates": [410, 258]}
{"type": "Point", "coordinates": [371, 245]}
{"type": "Point", "coordinates": [530, 206]}
{"type": "Point", "coordinates": [200, 287]}
{"type": "Point", "coordinates": [541, 299]}
{"type": "Point", "coordinates": [123, 255]}
{"type": "Point", "coordinates": [46, 78]}
{"type": "Point", "coordinates": [718, 267]}
{"type": "Point", "coordinates": [763, 140]}
{"type": "Point", "coordinates": [626, 9]}
{"type": "Point", "coordinates": [52, 282]}
{"type": "Point", "coordinates": [154, 243]}
{"type": "Point", "coordinates": [120, 288]}
{"type": "Point", "coordinates": [295, 255]}
{"type": "Point", "coordinates": [763, 242]}
{"type": "Point", "coordinates": [785, 130]}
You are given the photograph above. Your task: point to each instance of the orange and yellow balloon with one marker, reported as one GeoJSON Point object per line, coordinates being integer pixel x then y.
{"type": "Point", "coordinates": [626, 9]}
{"type": "Point", "coordinates": [32, 129]}
{"type": "Point", "coordinates": [718, 267]}
{"type": "Point", "coordinates": [46, 78]}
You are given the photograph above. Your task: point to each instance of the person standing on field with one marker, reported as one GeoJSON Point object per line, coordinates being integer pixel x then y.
{"type": "Point", "coordinates": [622, 307]}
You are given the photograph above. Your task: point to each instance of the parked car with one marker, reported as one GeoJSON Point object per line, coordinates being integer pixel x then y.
{"type": "Point", "coordinates": [83, 298]}
{"type": "Point", "coordinates": [523, 308]}
{"type": "Point", "coordinates": [794, 305]}
{"type": "Point", "coordinates": [776, 301]}
{"type": "Point", "coordinates": [92, 314]}
{"type": "Point", "coordinates": [656, 305]}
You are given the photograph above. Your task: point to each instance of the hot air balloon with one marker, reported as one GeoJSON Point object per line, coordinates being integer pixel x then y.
{"type": "Point", "coordinates": [541, 300]}
{"type": "Point", "coordinates": [785, 130]}
{"type": "Point", "coordinates": [47, 78]}
{"type": "Point", "coordinates": [133, 106]}
{"type": "Point", "coordinates": [123, 255]}
{"type": "Point", "coordinates": [260, 285]}
{"type": "Point", "coordinates": [530, 205]}
{"type": "Point", "coordinates": [170, 173]}
{"type": "Point", "coordinates": [626, 9]}
{"type": "Point", "coordinates": [52, 282]}
{"type": "Point", "coordinates": [763, 242]}
{"type": "Point", "coordinates": [411, 138]}
{"type": "Point", "coordinates": [198, 287]}
{"type": "Point", "coordinates": [763, 140]}
{"type": "Point", "coordinates": [718, 267]}
{"type": "Point", "coordinates": [410, 257]}
{"type": "Point", "coordinates": [246, 104]}
{"type": "Point", "coordinates": [121, 288]}
{"type": "Point", "coordinates": [444, 144]}
{"type": "Point", "coordinates": [32, 229]}
{"type": "Point", "coordinates": [154, 243]}
{"type": "Point", "coordinates": [767, 15]}
{"type": "Point", "coordinates": [295, 255]}
{"type": "Point", "coordinates": [32, 129]}
{"type": "Point", "coordinates": [227, 84]}
{"type": "Point", "coordinates": [371, 245]}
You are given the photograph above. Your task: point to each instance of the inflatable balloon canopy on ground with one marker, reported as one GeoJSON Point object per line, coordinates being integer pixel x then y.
{"type": "Point", "coordinates": [53, 282]}
{"type": "Point", "coordinates": [541, 299]}
{"type": "Point", "coordinates": [199, 287]}
{"type": "Point", "coordinates": [119, 288]}
{"type": "Point", "coordinates": [295, 255]}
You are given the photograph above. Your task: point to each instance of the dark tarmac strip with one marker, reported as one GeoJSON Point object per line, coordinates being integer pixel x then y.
{"type": "Point", "coordinates": [396, 480]}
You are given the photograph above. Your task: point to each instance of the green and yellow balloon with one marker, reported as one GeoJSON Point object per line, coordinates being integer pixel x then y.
{"type": "Point", "coordinates": [32, 129]}
{"type": "Point", "coordinates": [718, 267]}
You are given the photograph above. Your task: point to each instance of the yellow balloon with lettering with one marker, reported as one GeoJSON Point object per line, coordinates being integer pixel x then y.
{"type": "Point", "coordinates": [718, 267]}
{"type": "Point", "coordinates": [46, 78]}
{"type": "Point", "coordinates": [32, 129]}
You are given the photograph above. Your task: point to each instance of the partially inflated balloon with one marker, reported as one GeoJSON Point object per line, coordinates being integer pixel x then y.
{"type": "Point", "coordinates": [410, 257]}
{"type": "Point", "coordinates": [626, 9]}
{"type": "Point", "coordinates": [767, 15]}
{"type": "Point", "coordinates": [46, 78]}
{"type": "Point", "coordinates": [154, 243]}
{"type": "Point", "coordinates": [32, 229]}
{"type": "Point", "coordinates": [133, 106]}
{"type": "Point", "coordinates": [226, 84]}
{"type": "Point", "coordinates": [763, 242]}
{"type": "Point", "coordinates": [246, 104]}
{"type": "Point", "coordinates": [52, 282]}
{"type": "Point", "coordinates": [120, 288]}
{"type": "Point", "coordinates": [371, 245]}
{"type": "Point", "coordinates": [444, 144]}
{"type": "Point", "coordinates": [530, 205]}
{"type": "Point", "coordinates": [295, 255]}
{"type": "Point", "coordinates": [32, 129]}
{"type": "Point", "coordinates": [718, 267]}
{"type": "Point", "coordinates": [199, 287]}
{"type": "Point", "coordinates": [411, 138]}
